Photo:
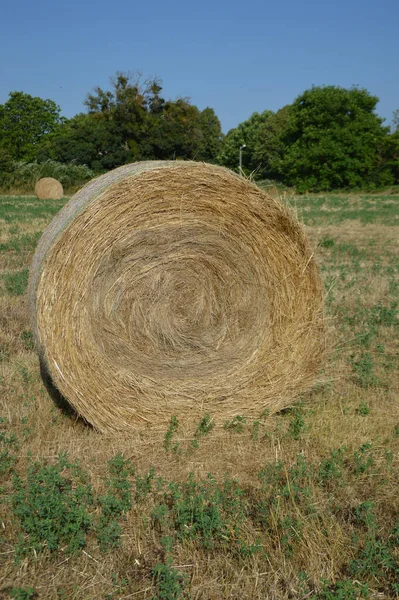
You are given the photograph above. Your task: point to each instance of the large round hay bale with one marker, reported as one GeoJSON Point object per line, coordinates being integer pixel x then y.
{"type": "Point", "coordinates": [49, 188]}
{"type": "Point", "coordinates": [175, 288]}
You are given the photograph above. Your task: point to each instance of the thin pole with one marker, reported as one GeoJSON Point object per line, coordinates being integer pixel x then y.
{"type": "Point", "coordinates": [240, 158]}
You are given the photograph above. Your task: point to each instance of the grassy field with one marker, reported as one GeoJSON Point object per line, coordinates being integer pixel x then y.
{"type": "Point", "coordinates": [302, 504]}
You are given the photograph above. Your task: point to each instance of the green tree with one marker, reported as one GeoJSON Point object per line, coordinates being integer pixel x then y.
{"type": "Point", "coordinates": [125, 107]}
{"type": "Point", "coordinates": [173, 133]}
{"type": "Point", "coordinates": [395, 121]}
{"type": "Point", "coordinates": [25, 121]}
{"type": "Point", "coordinates": [247, 133]}
{"type": "Point", "coordinates": [392, 155]}
{"type": "Point", "coordinates": [87, 139]}
{"type": "Point", "coordinates": [212, 136]}
{"type": "Point", "coordinates": [109, 135]}
{"type": "Point", "coordinates": [269, 147]}
{"type": "Point", "coordinates": [132, 121]}
{"type": "Point", "coordinates": [334, 139]}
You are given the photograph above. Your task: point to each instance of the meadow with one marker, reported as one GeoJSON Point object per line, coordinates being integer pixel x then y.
{"type": "Point", "coordinates": [302, 504]}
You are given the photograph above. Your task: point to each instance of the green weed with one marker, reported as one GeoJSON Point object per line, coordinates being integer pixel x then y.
{"type": "Point", "coordinates": [116, 502]}
{"type": "Point", "coordinates": [258, 423]}
{"type": "Point", "coordinates": [236, 424]}
{"type": "Point", "coordinates": [331, 470]}
{"type": "Point", "coordinates": [22, 243]}
{"type": "Point", "coordinates": [343, 590]}
{"type": "Point", "coordinates": [363, 366]}
{"type": "Point", "coordinates": [16, 282]}
{"type": "Point", "coordinates": [169, 582]}
{"type": "Point", "coordinates": [27, 339]}
{"type": "Point", "coordinates": [144, 485]}
{"type": "Point", "coordinates": [297, 424]}
{"type": "Point", "coordinates": [23, 593]}
{"type": "Point", "coordinates": [363, 410]}
{"type": "Point", "coordinates": [363, 459]}
{"type": "Point", "coordinates": [327, 242]}
{"type": "Point", "coordinates": [9, 446]}
{"type": "Point", "coordinates": [173, 427]}
{"type": "Point", "coordinates": [205, 426]}
{"type": "Point", "coordinates": [51, 505]}
{"type": "Point", "coordinates": [376, 556]}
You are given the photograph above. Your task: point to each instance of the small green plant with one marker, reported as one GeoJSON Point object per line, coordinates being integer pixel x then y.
{"type": "Point", "coordinates": [291, 531]}
{"type": "Point", "coordinates": [4, 352]}
{"type": "Point", "coordinates": [8, 447]}
{"type": "Point", "coordinates": [376, 556]}
{"type": "Point", "coordinates": [205, 426]}
{"type": "Point", "coordinates": [363, 367]}
{"type": "Point", "coordinates": [331, 470]}
{"type": "Point", "coordinates": [363, 459]}
{"type": "Point", "coordinates": [51, 504]}
{"type": "Point", "coordinates": [27, 339]}
{"type": "Point", "coordinates": [236, 424]}
{"type": "Point", "coordinates": [297, 424]}
{"type": "Point", "coordinates": [116, 502]}
{"type": "Point", "coordinates": [363, 410]}
{"type": "Point", "coordinates": [327, 242]}
{"type": "Point", "coordinates": [298, 482]}
{"type": "Point", "coordinates": [257, 424]}
{"type": "Point", "coordinates": [23, 593]}
{"type": "Point", "coordinates": [173, 427]}
{"type": "Point", "coordinates": [16, 282]}
{"type": "Point", "coordinates": [168, 581]}
{"type": "Point", "coordinates": [343, 590]}
{"type": "Point", "coordinates": [386, 316]}
{"type": "Point", "coordinates": [205, 511]}
{"type": "Point", "coordinates": [144, 485]}
{"type": "Point", "coordinates": [118, 586]}
{"type": "Point", "coordinates": [273, 474]}
{"type": "Point", "coordinates": [160, 516]}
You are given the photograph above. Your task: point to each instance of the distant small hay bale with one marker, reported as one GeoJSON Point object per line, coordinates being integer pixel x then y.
{"type": "Point", "coordinates": [175, 288]}
{"type": "Point", "coordinates": [49, 188]}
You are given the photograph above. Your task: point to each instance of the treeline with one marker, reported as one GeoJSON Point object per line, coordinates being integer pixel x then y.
{"type": "Point", "coordinates": [328, 138]}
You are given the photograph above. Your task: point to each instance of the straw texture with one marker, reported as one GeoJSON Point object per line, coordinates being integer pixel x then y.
{"type": "Point", "coordinates": [49, 188]}
{"type": "Point", "coordinates": [176, 288]}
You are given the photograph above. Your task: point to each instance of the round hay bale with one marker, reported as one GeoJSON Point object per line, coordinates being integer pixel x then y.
{"type": "Point", "coordinates": [175, 288]}
{"type": "Point", "coordinates": [49, 188]}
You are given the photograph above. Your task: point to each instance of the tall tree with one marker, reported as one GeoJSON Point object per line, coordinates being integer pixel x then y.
{"type": "Point", "coordinates": [132, 121]}
{"type": "Point", "coordinates": [126, 107]}
{"type": "Point", "coordinates": [269, 147]}
{"type": "Point", "coordinates": [391, 155]}
{"type": "Point", "coordinates": [87, 139]}
{"type": "Point", "coordinates": [211, 136]}
{"type": "Point", "coordinates": [395, 121]}
{"type": "Point", "coordinates": [25, 120]}
{"type": "Point", "coordinates": [334, 139]}
{"type": "Point", "coordinates": [174, 132]}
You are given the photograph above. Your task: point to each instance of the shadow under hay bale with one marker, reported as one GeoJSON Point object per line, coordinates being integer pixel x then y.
{"type": "Point", "coordinates": [168, 288]}
{"type": "Point", "coordinates": [58, 399]}
{"type": "Point", "coordinates": [49, 188]}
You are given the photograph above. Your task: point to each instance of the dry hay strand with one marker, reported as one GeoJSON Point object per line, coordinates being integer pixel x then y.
{"type": "Point", "coordinates": [175, 288]}
{"type": "Point", "coordinates": [49, 188]}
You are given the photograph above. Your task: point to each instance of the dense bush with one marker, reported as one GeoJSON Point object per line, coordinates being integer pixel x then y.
{"type": "Point", "coordinates": [22, 176]}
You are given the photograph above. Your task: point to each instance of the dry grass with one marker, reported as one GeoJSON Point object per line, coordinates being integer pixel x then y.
{"type": "Point", "coordinates": [176, 288]}
{"type": "Point", "coordinates": [357, 410]}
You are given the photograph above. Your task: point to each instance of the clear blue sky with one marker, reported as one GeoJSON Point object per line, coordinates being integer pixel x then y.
{"type": "Point", "coordinates": [237, 57]}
